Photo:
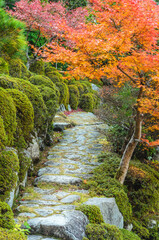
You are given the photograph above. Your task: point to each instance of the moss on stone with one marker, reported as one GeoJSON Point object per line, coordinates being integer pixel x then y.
{"type": "Point", "coordinates": [140, 230]}
{"type": "Point", "coordinates": [87, 102]}
{"type": "Point", "coordinates": [11, 234]}
{"type": "Point", "coordinates": [6, 216]}
{"type": "Point", "coordinates": [9, 168]}
{"type": "Point", "coordinates": [8, 114]}
{"type": "Point", "coordinates": [127, 235]}
{"type": "Point", "coordinates": [3, 137]}
{"type": "Point", "coordinates": [3, 67]}
{"type": "Point", "coordinates": [64, 93]}
{"type": "Point", "coordinates": [92, 212]}
{"type": "Point", "coordinates": [74, 96]}
{"type": "Point", "coordinates": [24, 164]}
{"type": "Point", "coordinates": [18, 69]}
{"type": "Point", "coordinates": [24, 113]}
{"type": "Point", "coordinates": [37, 67]}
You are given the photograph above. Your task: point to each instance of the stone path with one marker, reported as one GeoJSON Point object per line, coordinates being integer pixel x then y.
{"type": "Point", "coordinates": [49, 207]}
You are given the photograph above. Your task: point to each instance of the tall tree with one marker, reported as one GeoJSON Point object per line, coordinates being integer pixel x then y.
{"type": "Point", "coordinates": [119, 41]}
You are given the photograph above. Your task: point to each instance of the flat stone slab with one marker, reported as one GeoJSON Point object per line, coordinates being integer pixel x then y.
{"type": "Point", "coordinates": [39, 237]}
{"type": "Point", "coordinates": [48, 170]}
{"type": "Point", "coordinates": [26, 214]}
{"type": "Point", "coordinates": [51, 197]}
{"type": "Point", "coordinates": [43, 191]}
{"type": "Point", "coordinates": [70, 199]}
{"type": "Point", "coordinates": [43, 212]}
{"type": "Point", "coordinates": [51, 163]}
{"type": "Point", "coordinates": [60, 126]}
{"type": "Point", "coordinates": [109, 210]}
{"type": "Point", "coordinates": [39, 202]}
{"type": "Point", "coordinates": [59, 179]}
{"type": "Point", "coordinates": [64, 207]}
{"type": "Point", "coordinates": [70, 225]}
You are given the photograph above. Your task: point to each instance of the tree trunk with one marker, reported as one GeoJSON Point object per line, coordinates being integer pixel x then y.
{"type": "Point", "coordinates": [124, 164]}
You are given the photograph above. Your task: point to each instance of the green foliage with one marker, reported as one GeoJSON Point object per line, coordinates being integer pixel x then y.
{"type": "Point", "coordinates": [18, 69]}
{"type": "Point", "coordinates": [64, 93]}
{"type": "Point", "coordinates": [9, 167]}
{"type": "Point", "coordinates": [143, 185]}
{"type": "Point", "coordinates": [6, 216]}
{"type": "Point", "coordinates": [141, 231]}
{"type": "Point", "coordinates": [3, 67]}
{"type": "Point", "coordinates": [92, 212]}
{"type": "Point", "coordinates": [127, 235]}
{"type": "Point", "coordinates": [71, 4]}
{"type": "Point", "coordinates": [8, 114]}
{"type": "Point", "coordinates": [24, 164]}
{"type": "Point", "coordinates": [42, 80]}
{"type": "Point", "coordinates": [87, 102]}
{"type": "Point", "coordinates": [37, 67]}
{"type": "Point", "coordinates": [3, 137]}
{"type": "Point", "coordinates": [12, 41]}
{"type": "Point", "coordinates": [33, 36]}
{"type": "Point", "coordinates": [74, 96]}
{"type": "Point", "coordinates": [103, 183]}
{"type": "Point", "coordinates": [103, 231]}
{"type": "Point", "coordinates": [11, 234]}
{"type": "Point", "coordinates": [24, 113]}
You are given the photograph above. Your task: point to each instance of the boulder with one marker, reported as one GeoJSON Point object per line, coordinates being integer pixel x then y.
{"type": "Point", "coordinates": [70, 225]}
{"type": "Point", "coordinates": [34, 149]}
{"type": "Point", "coordinates": [109, 210]}
{"type": "Point", "coordinates": [61, 126]}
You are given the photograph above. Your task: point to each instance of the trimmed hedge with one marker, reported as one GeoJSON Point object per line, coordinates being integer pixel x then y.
{"type": "Point", "coordinates": [74, 96]}
{"type": "Point", "coordinates": [6, 216]}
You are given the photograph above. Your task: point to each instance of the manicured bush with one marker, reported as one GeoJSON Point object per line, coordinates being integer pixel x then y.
{"type": "Point", "coordinates": [3, 137]}
{"type": "Point", "coordinates": [74, 96]}
{"type": "Point", "coordinates": [9, 168]}
{"type": "Point", "coordinates": [64, 93]}
{"type": "Point", "coordinates": [24, 164]}
{"type": "Point", "coordinates": [11, 234]}
{"type": "Point", "coordinates": [18, 69]}
{"type": "Point", "coordinates": [37, 67]}
{"type": "Point", "coordinates": [8, 114]}
{"type": "Point", "coordinates": [24, 113]}
{"type": "Point", "coordinates": [141, 231]}
{"type": "Point", "coordinates": [92, 212]}
{"type": "Point", "coordinates": [3, 67]}
{"type": "Point", "coordinates": [86, 102]}
{"type": "Point", "coordinates": [42, 80]}
{"type": "Point", "coordinates": [6, 216]}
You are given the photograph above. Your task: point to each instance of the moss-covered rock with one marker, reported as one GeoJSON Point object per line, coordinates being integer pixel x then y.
{"type": "Point", "coordinates": [12, 234]}
{"type": "Point", "coordinates": [92, 212]}
{"type": "Point", "coordinates": [6, 216]}
{"type": "Point", "coordinates": [24, 164]}
{"type": "Point", "coordinates": [24, 113]}
{"type": "Point", "coordinates": [3, 67]}
{"type": "Point", "coordinates": [37, 67]}
{"type": "Point", "coordinates": [87, 102]}
{"type": "Point", "coordinates": [74, 96]}
{"type": "Point", "coordinates": [3, 137]}
{"type": "Point", "coordinates": [8, 114]}
{"type": "Point", "coordinates": [64, 93]}
{"type": "Point", "coordinates": [127, 235]}
{"type": "Point", "coordinates": [18, 69]}
{"type": "Point", "coordinates": [9, 168]}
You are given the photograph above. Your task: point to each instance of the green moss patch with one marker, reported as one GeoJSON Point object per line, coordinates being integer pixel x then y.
{"type": "Point", "coordinates": [3, 67]}
{"type": "Point", "coordinates": [64, 93]}
{"type": "Point", "coordinates": [11, 234]}
{"type": "Point", "coordinates": [3, 137]}
{"type": "Point", "coordinates": [37, 67]}
{"type": "Point", "coordinates": [6, 216]}
{"type": "Point", "coordinates": [87, 102]}
{"type": "Point", "coordinates": [74, 96]}
{"type": "Point", "coordinates": [18, 69]}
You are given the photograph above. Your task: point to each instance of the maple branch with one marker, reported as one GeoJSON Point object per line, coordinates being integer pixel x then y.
{"type": "Point", "coordinates": [126, 74]}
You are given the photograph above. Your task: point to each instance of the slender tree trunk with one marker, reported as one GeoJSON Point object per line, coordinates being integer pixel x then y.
{"type": "Point", "coordinates": [124, 164]}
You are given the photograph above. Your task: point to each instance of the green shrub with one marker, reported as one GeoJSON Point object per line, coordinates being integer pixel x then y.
{"type": "Point", "coordinates": [74, 96]}
{"type": "Point", "coordinates": [49, 68]}
{"type": "Point", "coordinates": [37, 67]}
{"type": "Point", "coordinates": [34, 95]}
{"type": "Point", "coordinates": [96, 231]}
{"type": "Point", "coordinates": [103, 231]}
{"type": "Point", "coordinates": [141, 231]}
{"type": "Point", "coordinates": [9, 167]}
{"type": "Point", "coordinates": [64, 93]}
{"type": "Point", "coordinates": [18, 69]}
{"type": "Point", "coordinates": [8, 114]}
{"type": "Point", "coordinates": [3, 137]}
{"type": "Point", "coordinates": [42, 80]}
{"type": "Point", "coordinates": [6, 216]}
{"type": "Point", "coordinates": [87, 102]}
{"type": "Point", "coordinates": [80, 87]}
{"type": "Point", "coordinates": [11, 234]}
{"type": "Point", "coordinates": [127, 235]}
{"type": "Point", "coordinates": [92, 212]}
{"type": "Point", "coordinates": [24, 164]}
{"type": "Point", "coordinates": [24, 113]}
{"type": "Point", "coordinates": [3, 67]}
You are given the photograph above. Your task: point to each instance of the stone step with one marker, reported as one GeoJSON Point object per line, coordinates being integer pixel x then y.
{"type": "Point", "coordinates": [58, 179]}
